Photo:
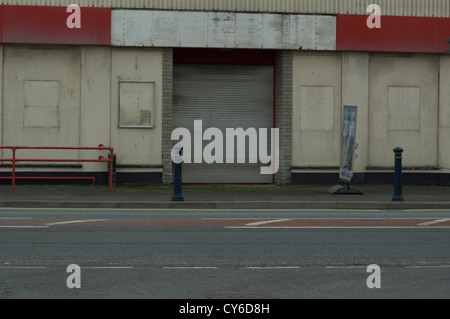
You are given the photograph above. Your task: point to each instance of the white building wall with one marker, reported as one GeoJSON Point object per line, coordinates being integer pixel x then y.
{"type": "Point", "coordinates": [95, 90]}
{"type": "Point", "coordinates": [355, 92]}
{"type": "Point", "coordinates": [444, 113]}
{"type": "Point", "coordinates": [68, 97]}
{"type": "Point", "coordinates": [2, 153]}
{"type": "Point", "coordinates": [86, 104]}
{"type": "Point", "coordinates": [316, 109]}
{"type": "Point", "coordinates": [136, 146]}
{"type": "Point", "coordinates": [403, 109]}
{"type": "Point", "coordinates": [403, 100]}
{"type": "Point", "coordinates": [41, 97]}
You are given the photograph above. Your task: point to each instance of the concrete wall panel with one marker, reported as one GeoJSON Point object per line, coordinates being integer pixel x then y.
{"type": "Point", "coordinates": [95, 101]}
{"type": "Point", "coordinates": [355, 92]}
{"type": "Point", "coordinates": [31, 118]}
{"type": "Point", "coordinates": [444, 113]}
{"type": "Point", "coordinates": [136, 146]}
{"type": "Point", "coordinates": [395, 119]}
{"type": "Point", "coordinates": [316, 98]}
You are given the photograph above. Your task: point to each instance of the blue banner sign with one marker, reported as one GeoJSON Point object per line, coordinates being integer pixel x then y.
{"type": "Point", "coordinates": [348, 143]}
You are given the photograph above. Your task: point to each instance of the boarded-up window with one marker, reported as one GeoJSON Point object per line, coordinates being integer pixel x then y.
{"type": "Point", "coordinates": [404, 109]}
{"type": "Point", "coordinates": [316, 108]}
{"type": "Point", "coordinates": [41, 104]}
{"type": "Point", "coordinates": [136, 104]}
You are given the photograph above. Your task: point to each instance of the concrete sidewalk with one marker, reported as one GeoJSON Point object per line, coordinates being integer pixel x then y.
{"type": "Point", "coordinates": [221, 197]}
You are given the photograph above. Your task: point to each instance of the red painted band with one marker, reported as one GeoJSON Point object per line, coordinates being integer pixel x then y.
{"type": "Point", "coordinates": [397, 34]}
{"type": "Point", "coordinates": [48, 25]}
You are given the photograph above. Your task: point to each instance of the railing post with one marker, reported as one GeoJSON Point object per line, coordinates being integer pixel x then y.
{"type": "Point", "coordinates": [398, 192]}
{"type": "Point", "coordinates": [13, 177]}
{"type": "Point", "coordinates": [112, 169]}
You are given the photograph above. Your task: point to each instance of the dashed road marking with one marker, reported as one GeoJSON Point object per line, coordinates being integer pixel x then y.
{"type": "Point", "coordinates": [430, 266]}
{"type": "Point", "coordinates": [24, 226]}
{"type": "Point", "coordinates": [346, 267]}
{"type": "Point", "coordinates": [186, 267]}
{"type": "Point", "coordinates": [76, 222]}
{"type": "Point", "coordinates": [19, 267]}
{"type": "Point", "coordinates": [108, 267]}
{"type": "Point", "coordinates": [434, 222]}
{"type": "Point", "coordinates": [265, 222]}
{"type": "Point", "coordinates": [274, 267]}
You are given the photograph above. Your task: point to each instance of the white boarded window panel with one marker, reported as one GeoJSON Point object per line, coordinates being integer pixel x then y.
{"type": "Point", "coordinates": [316, 108]}
{"type": "Point", "coordinates": [404, 109]}
{"type": "Point", "coordinates": [136, 104]}
{"type": "Point", "coordinates": [41, 104]}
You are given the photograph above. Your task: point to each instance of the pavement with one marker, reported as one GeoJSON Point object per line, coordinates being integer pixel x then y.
{"type": "Point", "coordinates": [376, 197]}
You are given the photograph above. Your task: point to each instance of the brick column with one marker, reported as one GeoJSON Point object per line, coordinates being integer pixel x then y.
{"type": "Point", "coordinates": [283, 114]}
{"type": "Point", "coordinates": [167, 123]}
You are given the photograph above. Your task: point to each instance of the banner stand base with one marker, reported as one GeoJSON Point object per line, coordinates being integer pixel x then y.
{"type": "Point", "coordinates": [345, 189]}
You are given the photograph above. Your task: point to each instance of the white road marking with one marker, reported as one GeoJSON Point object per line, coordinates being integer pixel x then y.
{"type": "Point", "coordinates": [346, 267]}
{"type": "Point", "coordinates": [208, 267]}
{"type": "Point", "coordinates": [267, 222]}
{"type": "Point", "coordinates": [190, 267]}
{"type": "Point", "coordinates": [12, 267]}
{"type": "Point", "coordinates": [76, 222]}
{"type": "Point", "coordinates": [274, 267]}
{"type": "Point", "coordinates": [333, 227]}
{"type": "Point", "coordinates": [233, 218]}
{"type": "Point", "coordinates": [418, 267]}
{"type": "Point", "coordinates": [323, 218]}
{"type": "Point", "coordinates": [433, 222]}
{"type": "Point", "coordinates": [108, 267]}
{"type": "Point", "coordinates": [14, 218]}
{"type": "Point", "coordinates": [24, 226]}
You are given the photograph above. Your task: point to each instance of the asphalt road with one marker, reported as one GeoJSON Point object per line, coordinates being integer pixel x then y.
{"type": "Point", "coordinates": [245, 254]}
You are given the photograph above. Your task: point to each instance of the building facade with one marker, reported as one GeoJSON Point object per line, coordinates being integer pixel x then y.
{"type": "Point", "coordinates": [134, 71]}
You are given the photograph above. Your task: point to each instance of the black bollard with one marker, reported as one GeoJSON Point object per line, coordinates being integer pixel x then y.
{"type": "Point", "coordinates": [398, 193]}
{"type": "Point", "coordinates": [177, 178]}
{"type": "Point", "coordinates": [448, 50]}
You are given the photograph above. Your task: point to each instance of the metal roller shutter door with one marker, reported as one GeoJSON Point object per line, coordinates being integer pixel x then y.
{"type": "Point", "coordinates": [223, 96]}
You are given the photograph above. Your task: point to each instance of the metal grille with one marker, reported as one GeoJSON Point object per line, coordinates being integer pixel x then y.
{"type": "Point", "coordinates": [223, 96]}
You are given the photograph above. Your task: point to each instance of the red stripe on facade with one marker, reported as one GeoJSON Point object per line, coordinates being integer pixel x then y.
{"type": "Point", "coordinates": [1, 24]}
{"type": "Point", "coordinates": [397, 34]}
{"type": "Point", "coordinates": [48, 25]}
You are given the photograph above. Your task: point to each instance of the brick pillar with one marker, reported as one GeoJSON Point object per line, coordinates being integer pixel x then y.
{"type": "Point", "coordinates": [167, 123]}
{"type": "Point", "coordinates": [283, 114]}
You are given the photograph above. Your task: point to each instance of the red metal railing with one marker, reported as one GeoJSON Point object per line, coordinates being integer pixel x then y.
{"type": "Point", "coordinates": [14, 160]}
